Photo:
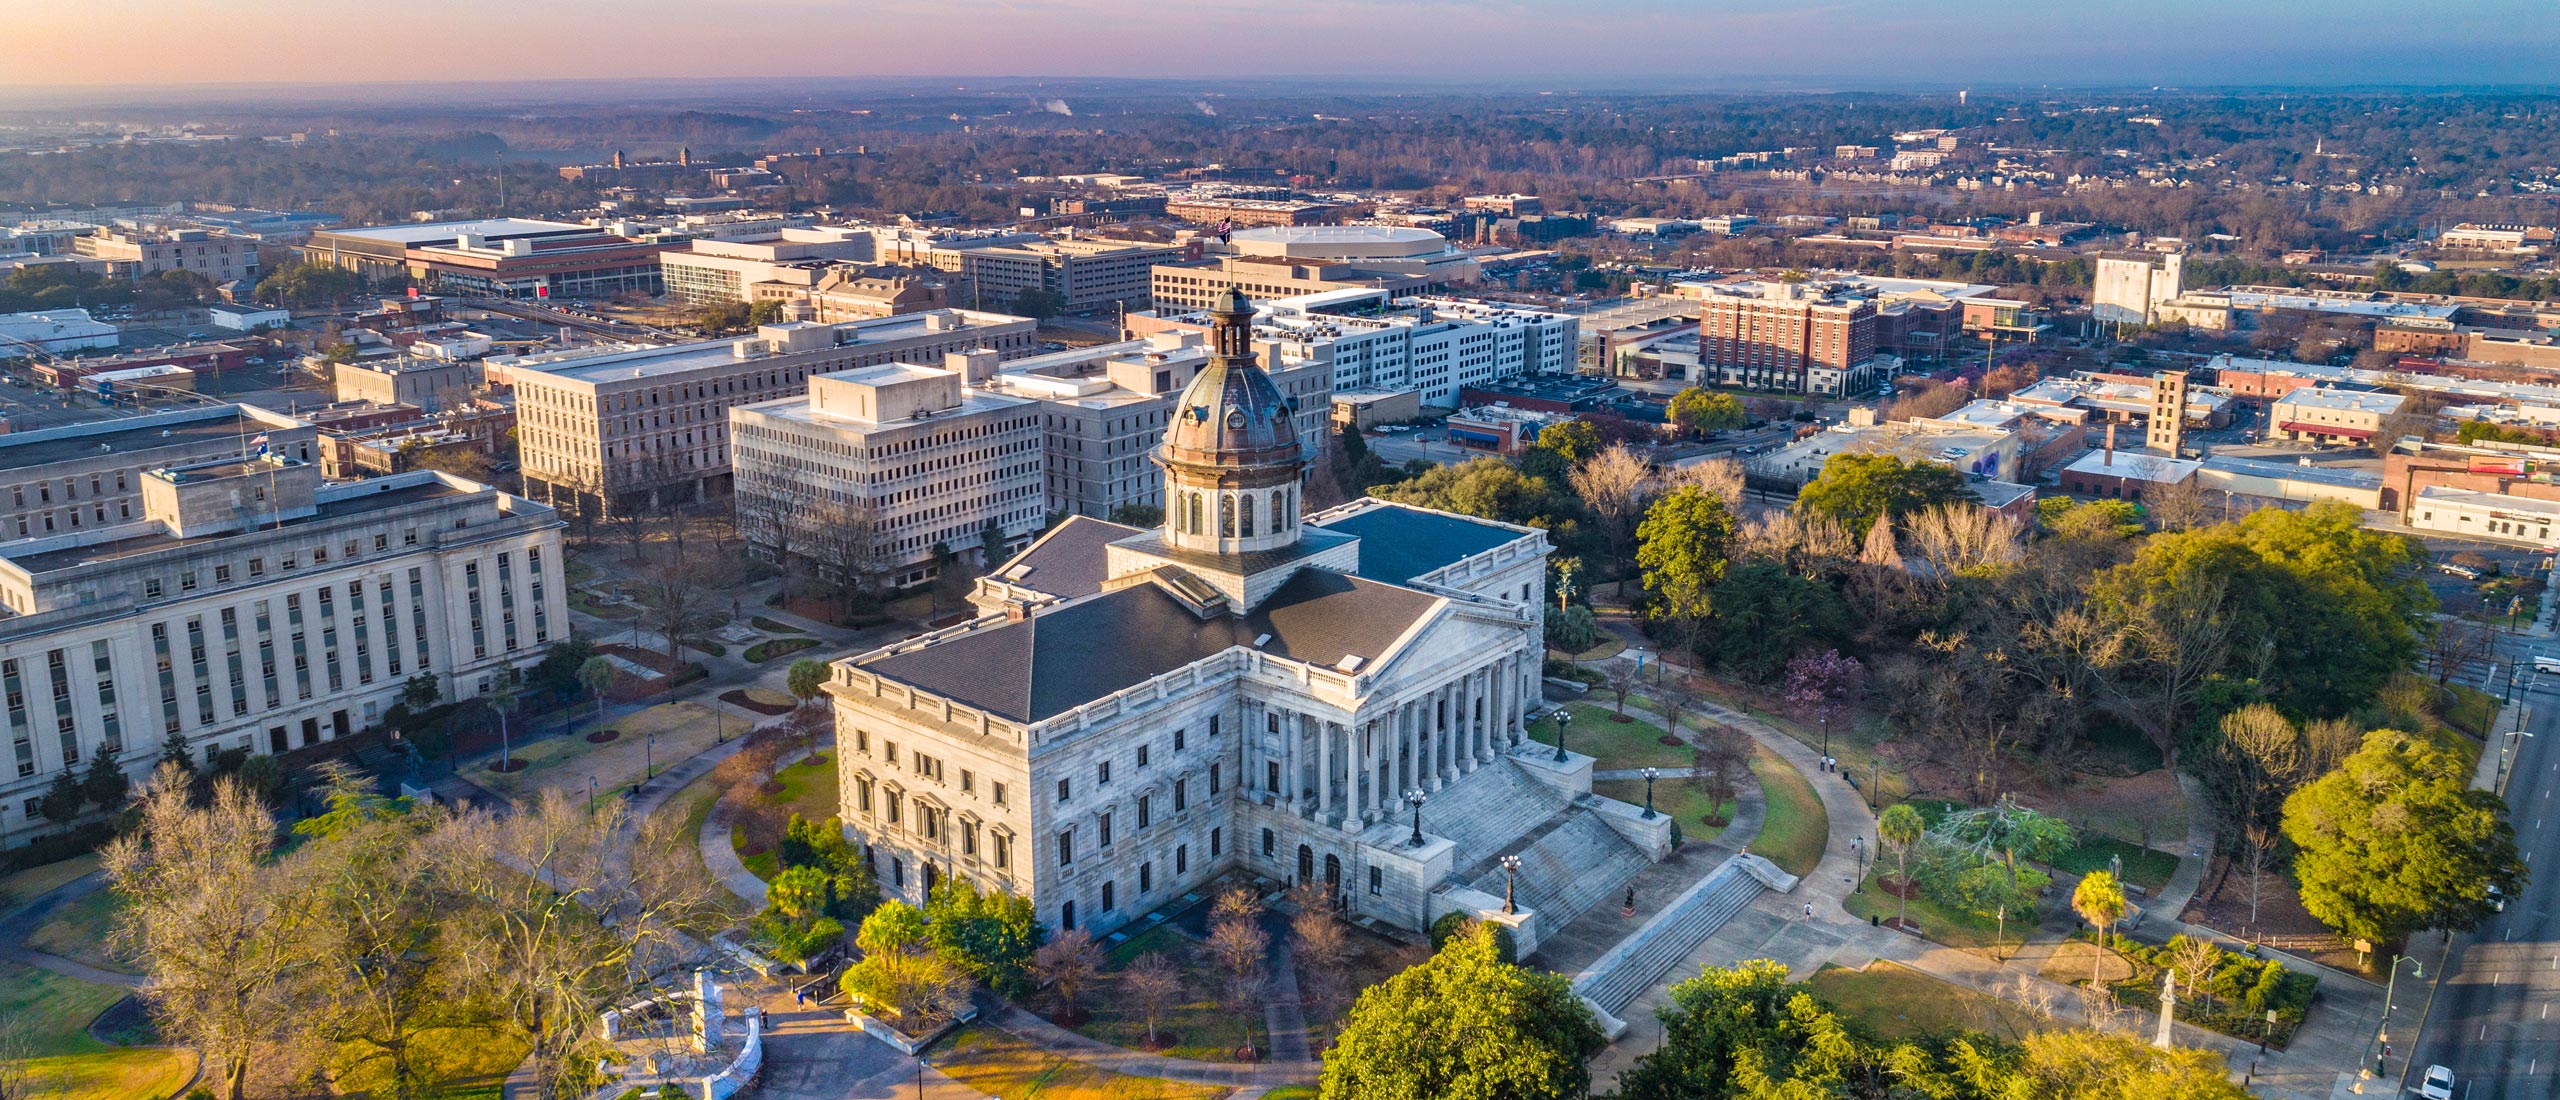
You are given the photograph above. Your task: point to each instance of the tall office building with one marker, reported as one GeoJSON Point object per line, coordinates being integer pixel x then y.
{"type": "Point", "coordinates": [1788, 337]}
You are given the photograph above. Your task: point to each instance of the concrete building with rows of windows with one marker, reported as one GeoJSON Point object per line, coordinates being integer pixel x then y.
{"type": "Point", "coordinates": [87, 477]}
{"type": "Point", "coordinates": [250, 606]}
{"type": "Point", "coordinates": [1244, 687]}
{"type": "Point", "coordinates": [907, 458]}
{"type": "Point", "coordinates": [617, 428]}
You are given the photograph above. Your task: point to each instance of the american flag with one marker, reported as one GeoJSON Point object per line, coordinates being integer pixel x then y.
{"type": "Point", "coordinates": [1226, 229]}
{"type": "Point", "coordinates": [261, 440]}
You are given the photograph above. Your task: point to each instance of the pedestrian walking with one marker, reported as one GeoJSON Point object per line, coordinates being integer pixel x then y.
{"type": "Point", "coordinates": [1808, 910]}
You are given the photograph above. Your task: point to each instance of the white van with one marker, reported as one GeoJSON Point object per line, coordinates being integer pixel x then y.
{"type": "Point", "coordinates": [2544, 662]}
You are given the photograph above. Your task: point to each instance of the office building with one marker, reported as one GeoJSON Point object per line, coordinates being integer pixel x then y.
{"type": "Point", "coordinates": [2131, 286]}
{"type": "Point", "coordinates": [1372, 340]}
{"type": "Point", "coordinates": [1252, 212]}
{"type": "Point", "coordinates": [620, 427]}
{"type": "Point", "coordinates": [1243, 688]}
{"type": "Point", "coordinates": [428, 383]}
{"type": "Point", "coordinates": [910, 460]}
{"type": "Point", "coordinates": [1788, 337]}
{"type": "Point", "coordinates": [1276, 262]}
{"type": "Point", "coordinates": [248, 606]}
{"type": "Point", "coordinates": [2328, 416]}
{"type": "Point", "coordinates": [1082, 274]}
{"type": "Point", "coordinates": [730, 270]}
{"type": "Point", "coordinates": [496, 257]}
{"type": "Point", "coordinates": [132, 253]}
{"type": "Point", "coordinates": [84, 477]}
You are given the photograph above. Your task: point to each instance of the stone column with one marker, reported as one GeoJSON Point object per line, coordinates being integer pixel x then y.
{"type": "Point", "coordinates": [1488, 725]}
{"type": "Point", "coordinates": [706, 1012]}
{"type": "Point", "coordinates": [1324, 768]}
{"type": "Point", "coordinates": [1462, 740]}
{"type": "Point", "coordinates": [1411, 776]}
{"type": "Point", "coordinates": [1289, 779]}
{"type": "Point", "coordinates": [1365, 788]}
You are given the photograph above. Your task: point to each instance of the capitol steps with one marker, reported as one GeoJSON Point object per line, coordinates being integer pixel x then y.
{"type": "Point", "coordinates": [1569, 864]}
{"type": "Point", "coordinates": [1643, 958]}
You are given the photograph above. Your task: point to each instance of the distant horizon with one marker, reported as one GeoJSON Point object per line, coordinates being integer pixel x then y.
{"type": "Point", "coordinates": [1612, 45]}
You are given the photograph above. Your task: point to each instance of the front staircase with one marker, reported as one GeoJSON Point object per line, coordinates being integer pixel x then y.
{"type": "Point", "coordinates": [1637, 962]}
{"type": "Point", "coordinates": [1569, 863]}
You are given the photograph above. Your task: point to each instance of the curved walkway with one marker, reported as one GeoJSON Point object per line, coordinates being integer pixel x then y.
{"type": "Point", "coordinates": [1094, 1052]}
{"type": "Point", "coordinates": [15, 927]}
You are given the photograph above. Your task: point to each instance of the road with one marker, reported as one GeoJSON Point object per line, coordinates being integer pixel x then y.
{"type": "Point", "coordinates": [2491, 1020]}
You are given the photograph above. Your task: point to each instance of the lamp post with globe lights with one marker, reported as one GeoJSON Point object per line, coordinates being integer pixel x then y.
{"type": "Point", "coordinates": [1649, 774]}
{"type": "Point", "coordinates": [1510, 877]}
{"type": "Point", "coordinates": [1563, 718]}
{"type": "Point", "coordinates": [1416, 798]}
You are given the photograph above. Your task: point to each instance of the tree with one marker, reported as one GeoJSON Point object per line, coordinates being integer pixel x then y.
{"type": "Point", "coordinates": [1764, 616]}
{"type": "Point", "coordinates": [1698, 412]}
{"type": "Point", "coordinates": [62, 799]}
{"type": "Point", "coordinates": [1153, 983]}
{"type": "Point", "coordinates": [1069, 964]}
{"type": "Point", "coordinates": [597, 675]}
{"type": "Point", "coordinates": [686, 592]}
{"type": "Point", "coordinates": [2182, 505]}
{"type": "Point", "coordinates": [527, 897]}
{"type": "Point", "coordinates": [1320, 946]}
{"type": "Point", "coordinates": [1613, 484]}
{"type": "Point", "coordinates": [1856, 489]}
{"type": "Point", "coordinates": [2099, 899]}
{"type": "Point", "coordinates": [1485, 487]}
{"type": "Point", "coordinates": [1900, 827]}
{"type": "Point", "coordinates": [2255, 763]}
{"type": "Point", "coordinates": [1573, 440]}
{"type": "Point", "coordinates": [368, 983]}
{"type": "Point", "coordinates": [1622, 678]}
{"type": "Point", "coordinates": [807, 679]}
{"type": "Point", "coordinates": [216, 938]}
{"type": "Point", "coordinates": [311, 283]}
{"type": "Point", "coordinates": [1464, 1025]}
{"type": "Point", "coordinates": [1137, 515]}
{"type": "Point", "coordinates": [420, 692]}
{"type": "Point", "coordinates": [1722, 754]}
{"type": "Point", "coordinates": [1239, 945]}
{"type": "Point", "coordinates": [2395, 840]}
{"type": "Point", "coordinates": [105, 785]}
{"type": "Point", "coordinates": [505, 693]}
{"type": "Point", "coordinates": [173, 750]}
{"type": "Point", "coordinates": [2455, 643]}
{"type": "Point", "coordinates": [995, 937]}
{"type": "Point", "coordinates": [991, 545]}
{"type": "Point", "coordinates": [1683, 546]}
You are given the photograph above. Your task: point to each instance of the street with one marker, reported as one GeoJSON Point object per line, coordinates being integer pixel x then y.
{"type": "Point", "coordinates": [2491, 1020]}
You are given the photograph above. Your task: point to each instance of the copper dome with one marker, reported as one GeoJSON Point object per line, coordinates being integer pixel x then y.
{"type": "Point", "coordinates": [1232, 414]}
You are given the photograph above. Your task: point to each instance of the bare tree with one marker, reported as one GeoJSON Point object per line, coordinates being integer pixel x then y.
{"type": "Point", "coordinates": [1153, 983]}
{"type": "Point", "coordinates": [1615, 485]}
{"type": "Point", "coordinates": [1958, 538]}
{"type": "Point", "coordinates": [772, 513]}
{"type": "Point", "coordinates": [2184, 506]}
{"type": "Point", "coordinates": [1320, 943]}
{"type": "Point", "coordinates": [1238, 945]}
{"type": "Point", "coordinates": [2178, 639]}
{"type": "Point", "coordinates": [843, 543]}
{"type": "Point", "coordinates": [545, 927]}
{"type": "Point", "coordinates": [1718, 477]}
{"type": "Point", "coordinates": [1804, 545]}
{"type": "Point", "coordinates": [213, 930]}
{"type": "Point", "coordinates": [2257, 762]}
{"type": "Point", "coordinates": [1717, 763]}
{"type": "Point", "coordinates": [688, 592]}
{"type": "Point", "coordinates": [2196, 958]}
{"type": "Point", "coordinates": [1069, 965]}
{"type": "Point", "coordinates": [1674, 697]}
{"type": "Point", "coordinates": [1622, 678]}
{"type": "Point", "coordinates": [2326, 743]}
{"type": "Point", "coordinates": [2456, 643]}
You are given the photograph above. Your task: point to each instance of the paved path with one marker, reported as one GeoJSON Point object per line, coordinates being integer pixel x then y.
{"type": "Point", "coordinates": [1094, 1052]}
{"type": "Point", "coordinates": [15, 927]}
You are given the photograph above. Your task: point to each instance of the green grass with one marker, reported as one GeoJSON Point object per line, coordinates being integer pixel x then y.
{"type": "Point", "coordinates": [465, 1063]}
{"type": "Point", "coordinates": [1797, 827]}
{"type": "Point", "coordinates": [706, 645]}
{"type": "Point", "coordinates": [808, 790]}
{"type": "Point", "coordinates": [775, 626]}
{"type": "Point", "coordinates": [78, 931]}
{"type": "Point", "coordinates": [1201, 1031]}
{"type": "Point", "coordinates": [17, 890]}
{"type": "Point", "coordinates": [778, 647]}
{"type": "Point", "coordinates": [1609, 646]}
{"type": "Point", "coordinates": [2472, 710]}
{"type": "Point", "coordinates": [2144, 867]}
{"type": "Point", "coordinates": [577, 572]}
{"type": "Point", "coordinates": [585, 602]}
{"type": "Point", "coordinates": [1616, 744]}
{"type": "Point", "coordinates": [1001, 1064]}
{"type": "Point", "coordinates": [1677, 797]}
{"type": "Point", "coordinates": [1952, 927]}
{"type": "Point", "coordinates": [1292, 1092]}
{"type": "Point", "coordinates": [693, 806]}
{"type": "Point", "coordinates": [1894, 1002]}
{"type": "Point", "coordinates": [64, 1061]}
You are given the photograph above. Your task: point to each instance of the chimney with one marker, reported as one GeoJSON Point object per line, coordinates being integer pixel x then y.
{"type": "Point", "coordinates": [2110, 459]}
{"type": "Point", "coordinates": [1016, 611]}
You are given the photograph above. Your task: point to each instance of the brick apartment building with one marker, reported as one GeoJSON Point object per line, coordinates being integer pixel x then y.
{"type": "Point", "coordinates": [1788, 337]}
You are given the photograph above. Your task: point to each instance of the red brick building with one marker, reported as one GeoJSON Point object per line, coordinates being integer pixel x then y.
{"type": "Point", "coordinates": [1789, 337]}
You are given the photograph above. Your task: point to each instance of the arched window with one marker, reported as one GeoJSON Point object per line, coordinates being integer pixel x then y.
{"type": "Point", "coordinates": [1279, 510]}
{"type": "Point", "coordinates": [1227, 516]}
{"type": "Point", "coordinates": [1187, 518]}
{"type": "Point", "coordinates": [1244, 523]}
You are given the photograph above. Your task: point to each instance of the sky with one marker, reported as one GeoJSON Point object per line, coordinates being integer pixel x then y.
{"type": "Point", "coordinates": [1711, 43]}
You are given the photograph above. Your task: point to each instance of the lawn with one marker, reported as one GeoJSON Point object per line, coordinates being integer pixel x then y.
{"type": "Point", "coordinates": [78, 931]}
{"type": "Point", "coordinates": [1853, 739]}
{"type": "Point", "coordinates": [2472, 710]}
{"type": "Point", "coordinates": [565, 763]}
{"type": "Point", "coordinates": [26, 886]}
{"type": "Point", "coordinates": [580, 600]}
{"type": "Point", "coordinates": [692, 806]}
{"type": "Point", "coordinates": [1001, 1064]}
{"type": "Point", "coordinates": [808, 790]}
{"type": "Point", "coordinates": [1609, 646]}
{"type": "Point", "coordinates": [775, 626]}
{"type": "Point", "coordinates": [1952, 927]}
{"type": "Point", "coordinates": [1678, 797]}
{"type": "Point", "coordinates": [2148, 868]}
{"type": "Point", "coordinates": [1797, 828]}
{"type": "Point", "coordinates": [1198, 1028]}
{"type": "Point", "coordinates": [1895, 1002]}
{"type": "Point", "coordinates": [779, 647]}
{"type": "Point", "coordinates": [64, 1060]}
{"type": "Point", "coordinates": [465, 1063]}
{"type": "Point", "coordinates": [1616, 744]}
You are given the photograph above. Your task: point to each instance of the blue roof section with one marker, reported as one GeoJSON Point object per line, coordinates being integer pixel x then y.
{"type": "Point", "coordinates": [1399, 543]}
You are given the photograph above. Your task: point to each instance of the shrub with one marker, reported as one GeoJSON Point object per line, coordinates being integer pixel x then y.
{"type": "Point", "coordinates": [1454, 924]}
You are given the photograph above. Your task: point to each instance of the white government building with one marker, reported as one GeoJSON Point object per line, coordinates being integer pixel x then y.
{"type": "Point", "coordinates": [1244, 687]}
{"type": "Point", "coordinates": [250, 606]}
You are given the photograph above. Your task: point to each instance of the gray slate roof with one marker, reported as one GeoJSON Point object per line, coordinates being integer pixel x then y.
{"type": "Point", "coordinates": [1067, 562]}
{"type": "Point", "coordinates": [1398, 544]}
{"type": "Point", "coordinates": [1081, 651]}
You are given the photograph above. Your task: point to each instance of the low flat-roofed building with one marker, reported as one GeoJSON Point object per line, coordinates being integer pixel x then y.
{"type": "Point", "coordinates": [83, 477]}
{"type": "Point", "coordinates": [728, 270]}
{"type": "Point", "coordinates": [53, 332]}
{"type": "Point", "coordinates": [2126, 475]}
{"type": "Point", "coordinates": [243, 318]}
{"type": "Point", "coordinates": [1984, 452]}
{"type": "Point", "coordinates": [249, 607]}
{"type": "Point", "coordinates": [2302, 481]}
{"type": "Point", "coordinates": [2331, 416]}
{"type": "Point", "coordinates": [1501, 430]}
{"type": "Point", "coordinates": [429, 383]}
{"type": "Point", "coordinates": [381, 252]}
{"type": "Point", "coordinates": [2490, 517]}
{"type": "Point", "coordinates": [1364, 409]}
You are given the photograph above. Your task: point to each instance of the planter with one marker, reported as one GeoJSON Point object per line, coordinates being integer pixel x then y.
{"type": "Point", "coordinates": [890, 1033]}
{"type": "Point", "coordinates": [507, 766]}
{"type": "Point", "coordinates": [602, 736]}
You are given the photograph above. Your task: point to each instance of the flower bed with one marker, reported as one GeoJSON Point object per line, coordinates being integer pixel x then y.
{"type": "Point", "coordinates": [778, 647]}
{"type": "Point", "coordinates": [2234, 1001]}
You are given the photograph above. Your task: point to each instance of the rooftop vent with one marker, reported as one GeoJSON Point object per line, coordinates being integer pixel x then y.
{"type": "Point", "coordinates": [1260, 639]}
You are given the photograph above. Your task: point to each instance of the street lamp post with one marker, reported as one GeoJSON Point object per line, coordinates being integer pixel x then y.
{"type": "Point", "coordinates": [1563, 718]}
{"type": "Point", "coordinates": [1649, 773]}
{"type": "Point", "coordinates": [1826, 736]}
{"type": "Point", "coordinates": [1415, 798]}
{"type": "Point", "coordinates": [2507, 750]}
{"type": "Point", "coordinates": [1510, 876]}
{"type": "Point", "coordinates": [2381, 1034]}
